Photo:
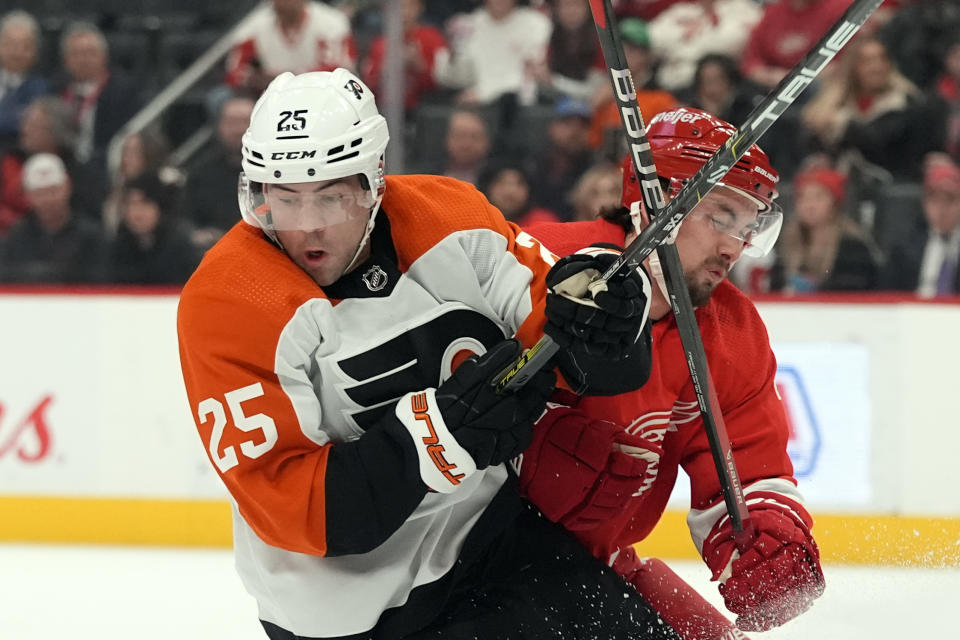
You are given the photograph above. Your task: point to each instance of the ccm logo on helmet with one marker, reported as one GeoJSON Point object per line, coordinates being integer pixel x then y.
{"type": "Point", "coordinates": [292, 155]}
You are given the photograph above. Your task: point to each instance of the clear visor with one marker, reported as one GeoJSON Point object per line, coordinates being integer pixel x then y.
{"type": "Point", "coordinates": [757, 236]}
{"type": "Point", "coordinates": [758, 233]}
{"type": "Point", "coordinates": [284, 209]}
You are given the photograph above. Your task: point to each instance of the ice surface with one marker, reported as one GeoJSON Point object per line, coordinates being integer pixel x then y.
{"type": "Point", "coordinates": [106, 593]}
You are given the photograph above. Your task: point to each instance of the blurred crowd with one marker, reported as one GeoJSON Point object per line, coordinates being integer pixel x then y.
{"type": "Point", "coordinates": [511, 96]}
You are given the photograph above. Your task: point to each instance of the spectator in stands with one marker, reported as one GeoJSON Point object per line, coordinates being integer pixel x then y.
{"type": "Point", "coordinates": [422, 43]}
{"type": "Point", "coordinates": [491, 51]}
{"type": "Point", "coordinates": [686, 31]}
{"type": "Point", "coordinates": [598, 188]}
{"type": "Point", "coordinates": [786, 31]}
{"type": "Point", "coordinates": [926, 261]}
{"type": "Point", "coordinates": [871, 108]}
{"type": "Point", "coordinates": [919, 34]}
{"type": "Point", "coordinates": [150, 246]}
{"type": "Point", "coordinates": [821, 248]}
{"type": "Point", "coordinates": [13, 201]}
{"type": "Point", "coordinates": [566, 156]}
{"type": "Point", "coordinates": [947, 90]}
{"type": "Point", "coordinates": [102, 99]}
{"type": "Point", "coordinates": [878, 20]}
{"type": "Point", "coordinates": [51, 244]}
{"type": "Point", "coordinates": [19, 86]}
{"type": "Point", "coordinates": [289, 35]}
{"type": "Point", "coordinates": [141, 152]}
{"type": "Point", "coordinates": [439, 11]}
{"type": "Point", "coordinates": [209, 194]}
{"type": "Point", "coordinates": [643, 9]}
{"type": "Point", "coordinates": [47, 126]}
{"type": "Point", "coordinates": [507, 187]}
{"type": "Point", "coordinates": [719, 89]}
{"type": "Point", "coordinates": [606, 129]}
{"type": "Point", "coordinates": [574, 64]}
{"type": "Point", "coordinates": [467, 145]}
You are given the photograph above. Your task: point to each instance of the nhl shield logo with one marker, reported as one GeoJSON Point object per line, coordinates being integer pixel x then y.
{"type": "Point", "coordinates": [375, 278]}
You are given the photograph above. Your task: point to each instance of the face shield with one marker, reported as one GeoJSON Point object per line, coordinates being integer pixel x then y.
{"type": "Point", "coordinates": [292, 208]}
{"type": "Point", "coordinates": [757, 236]}
{"type": "Point", "coordinates": [757, 232]}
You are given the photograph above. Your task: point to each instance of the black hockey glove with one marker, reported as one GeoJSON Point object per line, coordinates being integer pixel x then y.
{"type": "Point", "coordinates": [465, 425]}
{"type": "Point", "coordinates": [433, 439]}
{"type": "Point", "coordinates": [602, 330]}
{"type": "Point", "coordinates": [493, 427]}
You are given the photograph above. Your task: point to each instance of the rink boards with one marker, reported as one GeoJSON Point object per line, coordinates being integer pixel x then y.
{"type": "Point", "coordinates": [97, 443]}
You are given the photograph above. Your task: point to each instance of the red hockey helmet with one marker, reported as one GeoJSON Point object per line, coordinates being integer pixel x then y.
{"type": "Point", "coordinates": [682, 140]}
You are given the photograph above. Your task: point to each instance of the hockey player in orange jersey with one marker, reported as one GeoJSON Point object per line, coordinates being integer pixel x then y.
{"type": "Point", "coordinates": [605, 467]}
{"type": "Point", "coordinates": [338, 348]}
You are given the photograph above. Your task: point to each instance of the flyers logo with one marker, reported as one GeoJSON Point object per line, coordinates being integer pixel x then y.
{"type": "Point", "coordinates": [354, 87]}
{"type": "Point", "coordinates": [421, 411]}
{"type": "Point", "coordinates": [418, 358]}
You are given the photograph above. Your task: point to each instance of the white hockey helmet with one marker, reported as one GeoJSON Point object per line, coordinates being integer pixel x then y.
{"type": "Point", "coordinates": [315, 126]}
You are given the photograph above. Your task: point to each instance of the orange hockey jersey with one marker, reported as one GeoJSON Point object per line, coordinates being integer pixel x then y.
{"type": "Point", "coordinates": [665, 410]}
{"type": "Point", "coordinates": [287, 381]}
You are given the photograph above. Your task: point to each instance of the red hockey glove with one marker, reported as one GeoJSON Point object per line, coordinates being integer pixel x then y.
{"type": "Point", "coordinates": [581, 472]}
{"type": "Point", "coordinates": [779, 576]}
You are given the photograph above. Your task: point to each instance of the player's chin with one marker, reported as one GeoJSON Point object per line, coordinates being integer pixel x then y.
{"type": "Point", "coordinates": [701, 290]}
{"type": "Point", "coordinates": [320, 271]}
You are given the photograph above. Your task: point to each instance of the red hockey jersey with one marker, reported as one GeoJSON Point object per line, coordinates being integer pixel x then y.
{"type": "Point", "coordinates": [665, 410]}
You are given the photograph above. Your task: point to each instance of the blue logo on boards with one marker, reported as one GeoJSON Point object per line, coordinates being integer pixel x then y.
{"type": "Point", "coordinates": [805, 439]}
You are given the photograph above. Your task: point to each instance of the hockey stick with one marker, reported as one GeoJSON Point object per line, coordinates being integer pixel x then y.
{"type": "Point", "coordinates": [695, 190]}
{"type": "Point", "coordinates": [680, 605]}
{"type": "Point", "coordinates": [756, 124]}
{"type": "Point", "coordinates": [677, 291]}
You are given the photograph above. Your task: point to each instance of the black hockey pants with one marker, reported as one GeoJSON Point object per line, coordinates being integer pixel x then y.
{"type": "Point", "coordinates": [535, 582]}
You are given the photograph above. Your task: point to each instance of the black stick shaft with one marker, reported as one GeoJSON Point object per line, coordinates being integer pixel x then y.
{"type": "Point", "coordinates": [679, 296]}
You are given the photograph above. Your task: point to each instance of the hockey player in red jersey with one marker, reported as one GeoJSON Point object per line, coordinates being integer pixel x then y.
{"type": "Point", "coordinates": [605, 467]}
{"type": "Point", "coordinates": [339, 347]}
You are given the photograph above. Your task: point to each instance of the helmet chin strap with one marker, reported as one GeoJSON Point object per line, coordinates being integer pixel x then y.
{"type": "Point", "coordinates": [366, 236]}
{"type": "Point", "coordinates": [656, 270]}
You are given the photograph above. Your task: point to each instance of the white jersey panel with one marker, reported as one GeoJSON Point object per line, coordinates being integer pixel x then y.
{"type": "Point", "coordinates": [344, 595]}
{"type": "Point", "coordinates": [479, 255]}
{"type": "Point", "coordinates": [464, 292]}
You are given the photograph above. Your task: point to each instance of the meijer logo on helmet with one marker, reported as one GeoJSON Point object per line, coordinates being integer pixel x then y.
{"type": "Point", "coordinates": [674, 117]}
